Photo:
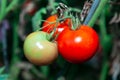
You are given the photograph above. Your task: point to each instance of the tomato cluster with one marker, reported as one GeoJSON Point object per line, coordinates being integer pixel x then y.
{"type": "Point", "coordinates": [75, 46]}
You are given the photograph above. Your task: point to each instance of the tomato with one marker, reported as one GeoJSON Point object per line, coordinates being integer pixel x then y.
{"type": "Point", "coordinates": [60, 26]}
{"type": "Point", "coordinates": [77, 46]}
{"type": "Point", "coordinates": [39, 50]}
{"type": "Point", "coordinates": [47, 27]}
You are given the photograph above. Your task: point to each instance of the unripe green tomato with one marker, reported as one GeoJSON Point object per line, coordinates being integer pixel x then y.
{"type": "Point", "coordinates": [39, 50]}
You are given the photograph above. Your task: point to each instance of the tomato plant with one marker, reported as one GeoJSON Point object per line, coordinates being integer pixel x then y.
{"type": "Point", "coordinates": [78, 46]}
{"type": "Point", "coordinates": [39, 50]}
{"type": "Point", "coordinates": [51, 23]}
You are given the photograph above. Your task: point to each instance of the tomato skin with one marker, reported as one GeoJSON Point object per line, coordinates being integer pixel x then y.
{"type": "Point", "coordinates": [78, 46]}
{"type": "Point", "coordinates": [60, 26]}
{"type": "Point", "coordinates": [38, 50]}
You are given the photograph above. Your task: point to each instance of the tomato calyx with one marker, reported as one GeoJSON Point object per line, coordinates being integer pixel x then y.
{"type": "Point", "coordinates": [50, 36]}
{"type": "Point", "coordinates": [75, 23]}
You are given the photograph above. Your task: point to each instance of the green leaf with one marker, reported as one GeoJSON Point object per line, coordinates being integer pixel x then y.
{"type": "Point", "coordinates": [37, 19]}
{"type": "Point", "coordinates": [2, 69]}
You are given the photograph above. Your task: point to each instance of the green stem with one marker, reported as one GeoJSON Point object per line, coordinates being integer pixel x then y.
{"type": "Point", "coordinates": [14, 71]}
{"type": "Point", "coordinates": [3, 9]}
{"type": "Point", "coordinates": [15, 42]}
{"type": "Point", "coordinates": [52, 33]}
{"type": "Point", "coordinates": [11, 5]}
{"type": "Point", "coordinates": [103, 32]}
{"type": "Point", "coordinates": [75, 10]}
{"type": "Point", "coordinates": [104, 71]}
{"type": "Point", "coordinates": [103, 25]}
{"type": "Point", "coordinates": [98, 12]}
{"type": "Point", "coordinates": [58, 20]}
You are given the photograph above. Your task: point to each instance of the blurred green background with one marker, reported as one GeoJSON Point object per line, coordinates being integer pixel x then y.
{"type": "Point", "coordinates": [18, 18]}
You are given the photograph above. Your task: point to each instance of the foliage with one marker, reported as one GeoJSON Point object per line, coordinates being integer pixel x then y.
{"type": "Point", "coordinates": [18, 19]}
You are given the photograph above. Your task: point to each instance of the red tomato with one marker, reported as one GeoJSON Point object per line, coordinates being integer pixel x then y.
{"type": "Point", "coordinates": [77, 46]}
{"type": "Point", "coordinates": [60, 26]}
